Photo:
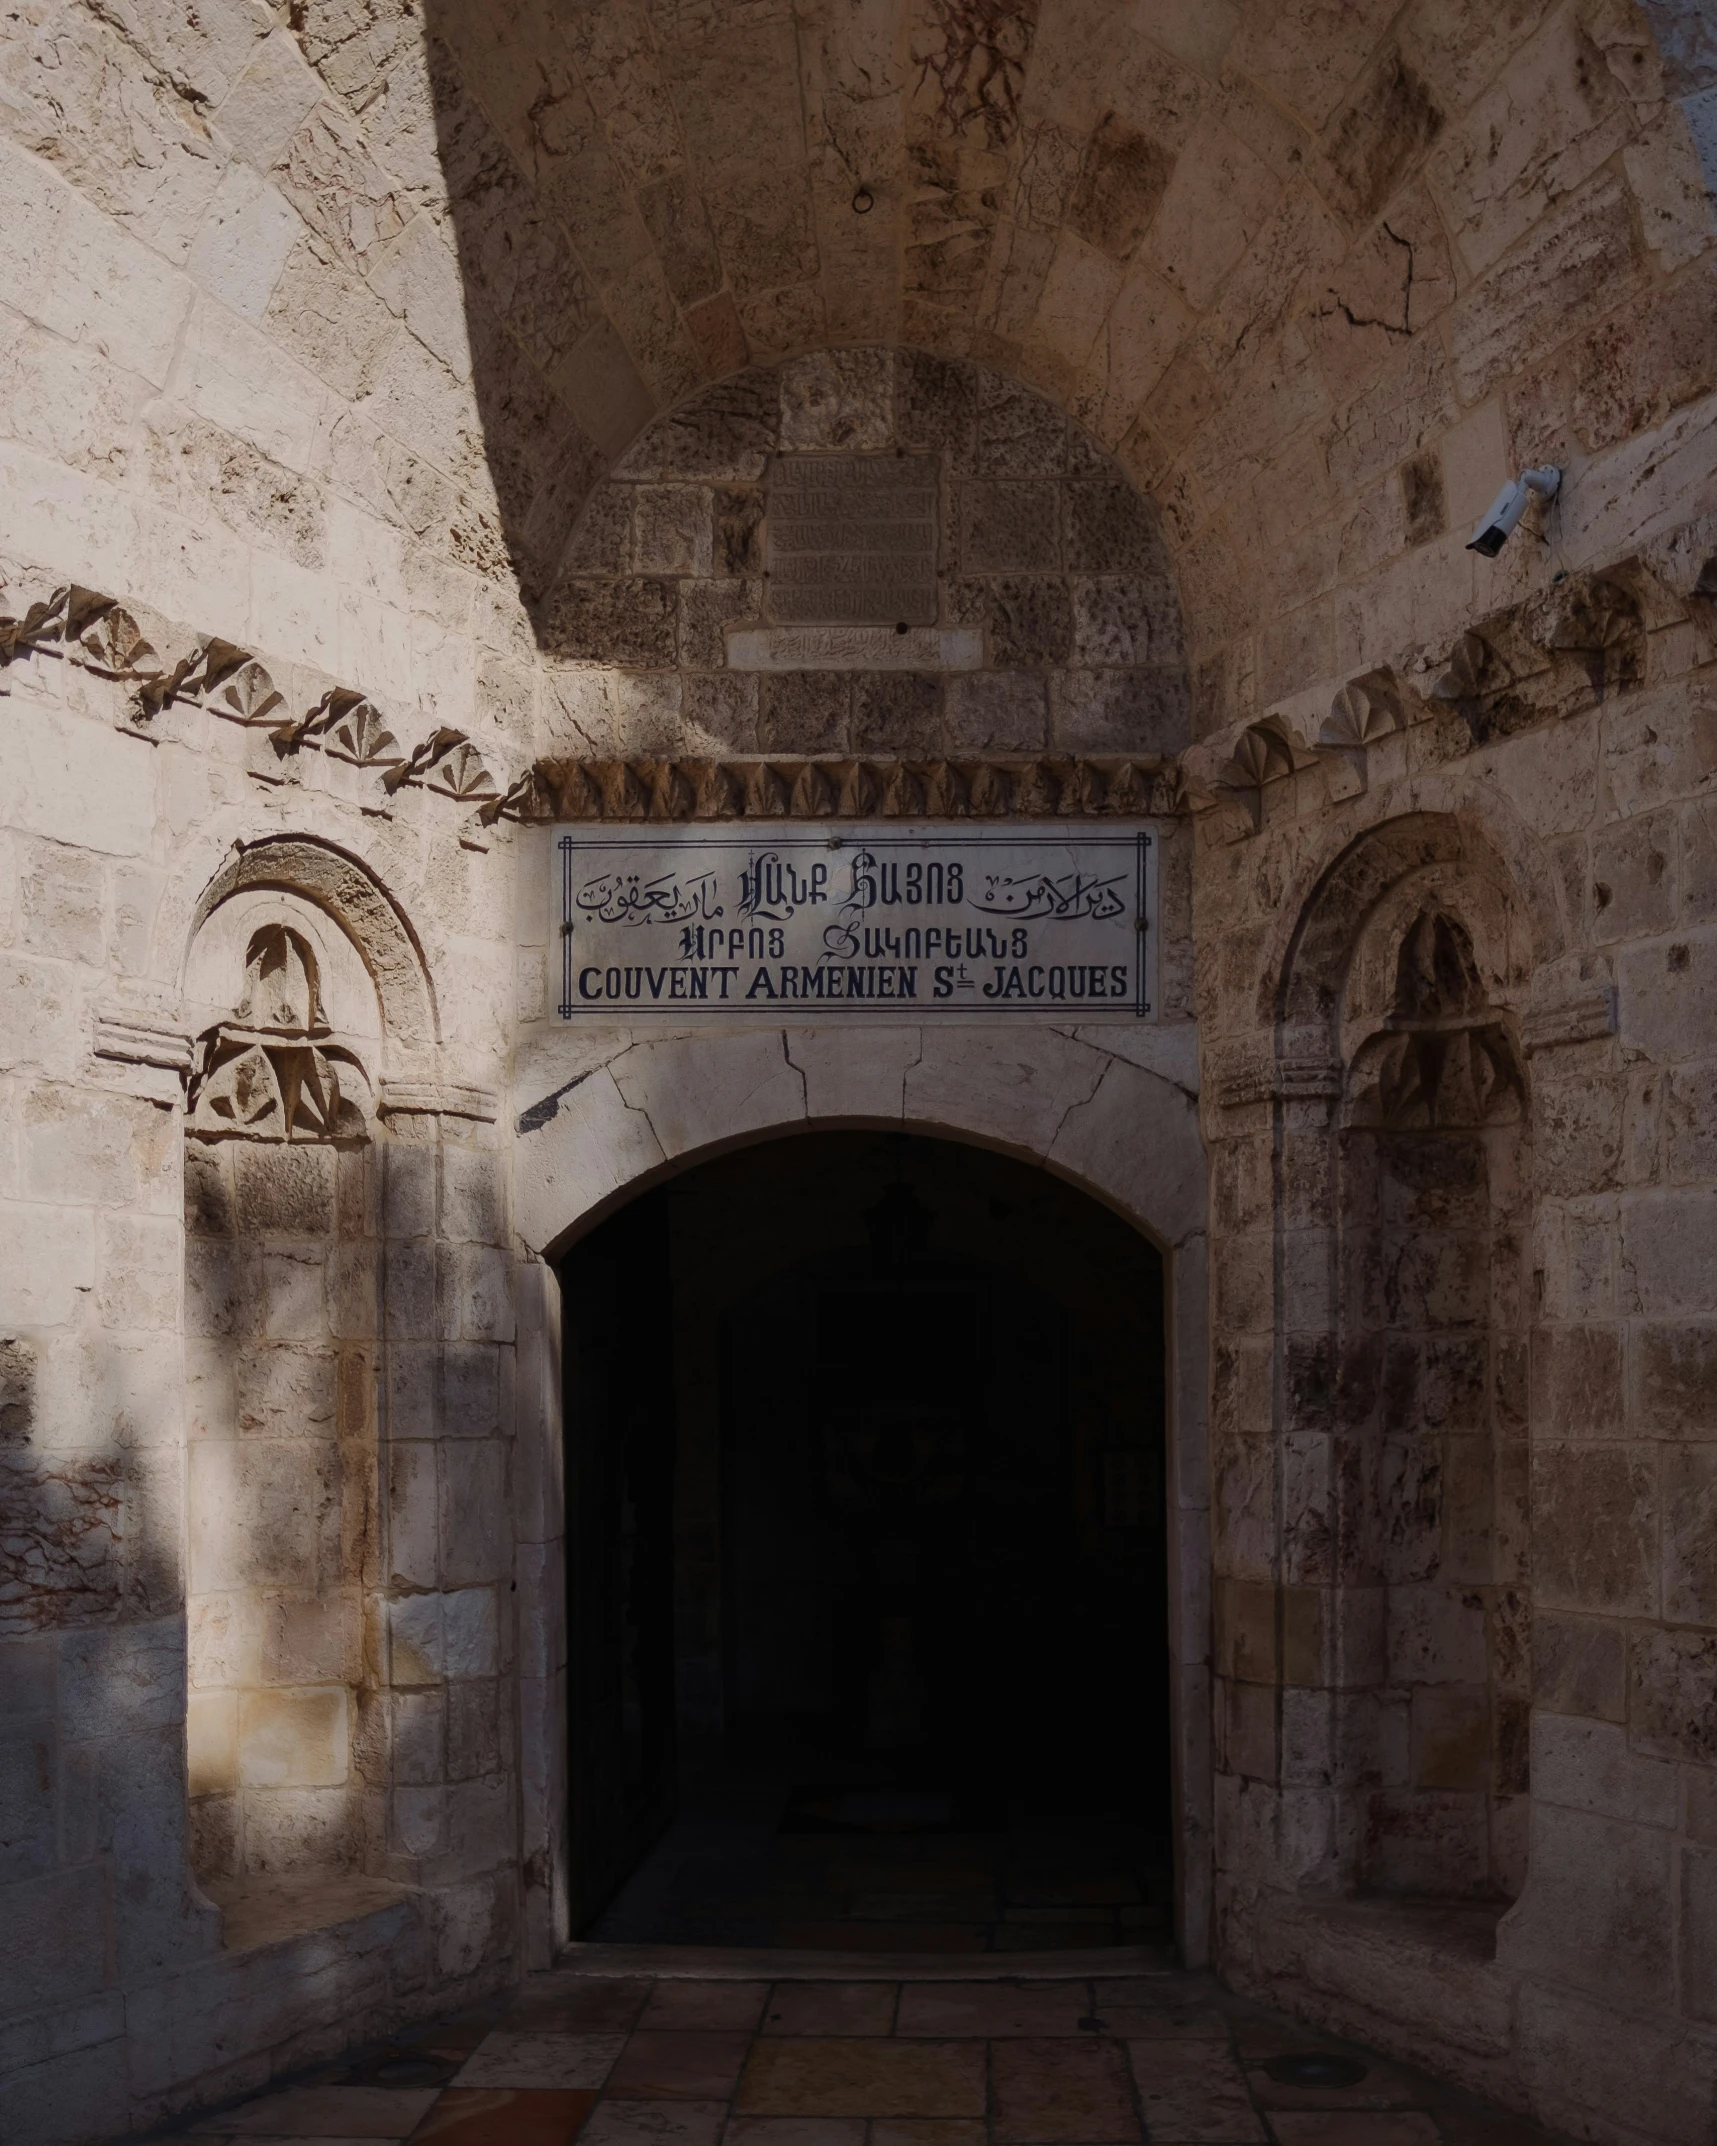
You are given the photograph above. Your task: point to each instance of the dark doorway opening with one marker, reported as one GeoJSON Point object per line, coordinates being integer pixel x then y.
{"type": "Point", "coordinates": [867, 1557]}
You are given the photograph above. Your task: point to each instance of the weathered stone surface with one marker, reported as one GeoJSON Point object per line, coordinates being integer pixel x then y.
{"type": "Point", "coordinates": [343, 339]}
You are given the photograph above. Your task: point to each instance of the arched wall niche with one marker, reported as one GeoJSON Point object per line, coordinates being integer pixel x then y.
{"type": "Point", "coordinates": [317, 873]}
{"type": "Point", "coordinates": [1123, 1135]}
{"type": "Point", "coordinates": [1394, 1629]}
{"type": "Point", "coordinates": [283, 1288]}
{"type": "Point", "coordinates": [1053, 625]}
{"type": "Point", "coordinates": [349, 1332]}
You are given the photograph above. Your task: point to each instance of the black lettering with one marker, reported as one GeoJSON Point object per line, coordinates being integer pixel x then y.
{"type": "Point", "coordinates": [1118, 982]}
{"type": "Point", "coordinates": [1034, 981]}
{"type": "Point", "coordinates": [584, 990]}
{"type": "Point", "coordinates": [677, 983]}
{"type": "Point", "coordinates": [908, 984]}
{"type": "Point", "coordinates": [1021, 947]}
{"type": "Point", "coordinates": [700, 984]}
{"type": "Point", "coordinates": [943, 987]}
{"type": "Point", "coordinates": [956, 883]}
{"type": "Point", "coordinates": [724, 974]}
{"type": "Point", "coordinates": [760, 982]}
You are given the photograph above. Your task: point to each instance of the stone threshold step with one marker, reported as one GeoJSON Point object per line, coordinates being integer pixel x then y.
{"type": "Point", "coordinates": [758, 1963]}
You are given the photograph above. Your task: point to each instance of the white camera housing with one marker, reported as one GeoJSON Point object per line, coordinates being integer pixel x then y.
{"type": "Point", "coordinates": [1500, 520]}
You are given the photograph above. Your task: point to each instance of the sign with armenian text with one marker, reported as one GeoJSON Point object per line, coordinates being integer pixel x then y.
{"type": "Point", "coordinates": [812, 923]}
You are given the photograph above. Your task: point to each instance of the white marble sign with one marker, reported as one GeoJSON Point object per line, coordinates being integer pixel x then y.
{"type": "Point", "coordinates": [808, 923]}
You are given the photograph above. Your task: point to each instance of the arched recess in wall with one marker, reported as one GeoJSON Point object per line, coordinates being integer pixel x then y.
{"type": "Point", "coordinates": [1126, 1136]}
{"type": "Point", "coordinates": [1007, 587]}
{"type": "Point", "coordinates": [345, 890]}
{"type": "Point", "coordinates": [301, 984]}
{"type": "Point", "coordinates": [1402, 1348]}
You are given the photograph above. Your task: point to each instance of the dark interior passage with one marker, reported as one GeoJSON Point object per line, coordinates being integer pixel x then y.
{"type": "Point", "coordinates": [867, 1565]}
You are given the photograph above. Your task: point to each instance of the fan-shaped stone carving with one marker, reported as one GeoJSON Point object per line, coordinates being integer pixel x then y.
{"type": "Point", "coordinates": [447, 761]}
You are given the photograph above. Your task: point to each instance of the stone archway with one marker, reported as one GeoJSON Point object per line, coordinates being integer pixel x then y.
{"type": "Point", "coordinates": [599, 1133]}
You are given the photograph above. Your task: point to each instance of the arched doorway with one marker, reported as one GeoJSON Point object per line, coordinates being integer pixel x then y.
{"type": "Point", "coordinates": [868, 1574]}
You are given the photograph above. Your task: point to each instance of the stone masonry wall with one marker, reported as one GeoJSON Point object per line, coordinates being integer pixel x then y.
{"type": "Point", "coordinates": [318, 329]}
{"type": "Point", "coordinates": [1044, 548]}
{"type": "Point", "coordinates": [1560, 814]}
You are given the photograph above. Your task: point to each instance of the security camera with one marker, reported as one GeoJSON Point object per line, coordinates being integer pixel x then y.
{"type": "Point", "coordinates": [1499, 521]}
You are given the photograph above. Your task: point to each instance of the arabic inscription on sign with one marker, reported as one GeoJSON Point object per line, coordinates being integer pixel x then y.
{"type": "Point", "coordinates": [874, 921]}
{"type": "Point", "coordinates": [852, 539]}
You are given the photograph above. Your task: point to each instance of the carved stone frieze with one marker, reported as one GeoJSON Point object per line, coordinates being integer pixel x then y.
{"type": "Point", "coordinates": [791, 789]}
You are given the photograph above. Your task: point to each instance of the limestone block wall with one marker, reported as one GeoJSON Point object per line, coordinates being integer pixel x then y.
{"type": "Point", "coordinates": [1045, 553]}
{"type": "Point", "coordinates": [256, 1575]}
{"type": "Point", "coordinates": [318, 331]}
{"type": "Point", "coordinates": [1512, 872]}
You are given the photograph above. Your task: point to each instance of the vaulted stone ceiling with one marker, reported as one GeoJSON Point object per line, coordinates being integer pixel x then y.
{"type": "Point", "coordinates": [1300, 263]}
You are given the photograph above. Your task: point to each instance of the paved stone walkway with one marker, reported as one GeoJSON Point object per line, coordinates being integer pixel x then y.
{"type": "Point", "coordinates": [1167, 2058]}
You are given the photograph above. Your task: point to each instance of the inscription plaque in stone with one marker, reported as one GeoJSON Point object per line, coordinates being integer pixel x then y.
{"type": "Point", "coordinates": [867, 922]}
{"type": "Point", "coordinates": [851, 539]}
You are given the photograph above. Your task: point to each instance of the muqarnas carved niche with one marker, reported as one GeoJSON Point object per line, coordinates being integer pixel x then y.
{"type": "Point", "coordinates": [1445, 1059]}
{"type": "Point", "coordinates": [272, 1070]}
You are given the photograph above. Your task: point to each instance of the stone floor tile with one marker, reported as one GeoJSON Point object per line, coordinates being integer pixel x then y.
{"type": "Point", "coordinates": [1487, 2127]}
{"type": "Point", "coordinates": [654, 2123]}
{"type": "Point", "coordinates": [904, 2131]}
{"type": "Point", "coordinates": [1355, 2127]}
{"type": "Point", "coordinates": [736, 2005]}
{"type": "Point", "coordinates": [686, 2065]}
{"type": "Point", "coordinates": [1177, 1988]}
{"type": "Point", "coordinates": [326, 2112]}
{"type": "Point", "coordinates": [1258, 2035]}
{"type": "Point", "coordinates": [1062, 2089]}
{"type": "Point", "coordinates": [577, 2004]}
{"type": "Point", "coordinates": [1194, 2093]}
{"type": "Point", "coordinates": [502, 2116]}
{"type": "Point", "coordinates": [796, 2131]}
{"type": "Point", "coordinates": [992, 2008]}
{"type": "Point", "coordinates": [509, 2058]}
{"type": "Point", "coordinates": [1383, 2087]}
{"type": "Point", "coordinates": [1149, 2022]}
{"type": "Point", "coordinates": [804, 2075]}
{"type": "Point", "coordinates": [831, 2008]}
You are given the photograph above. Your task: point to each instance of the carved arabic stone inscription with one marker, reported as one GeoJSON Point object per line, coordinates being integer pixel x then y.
{"type": "Point", "coordinates": [852, 539]}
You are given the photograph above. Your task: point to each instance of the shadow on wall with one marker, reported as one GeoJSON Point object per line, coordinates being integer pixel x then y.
{"type": "Point", "coordinates": [593, 296]}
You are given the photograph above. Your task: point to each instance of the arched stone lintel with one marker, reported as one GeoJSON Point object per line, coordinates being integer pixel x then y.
{"type": "Point", "coordinates": [348, 891]}
{"type": "Point", "coordinates": [1324, 916]}
{"type": "Point", "coordinates": [1126, 1135]}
